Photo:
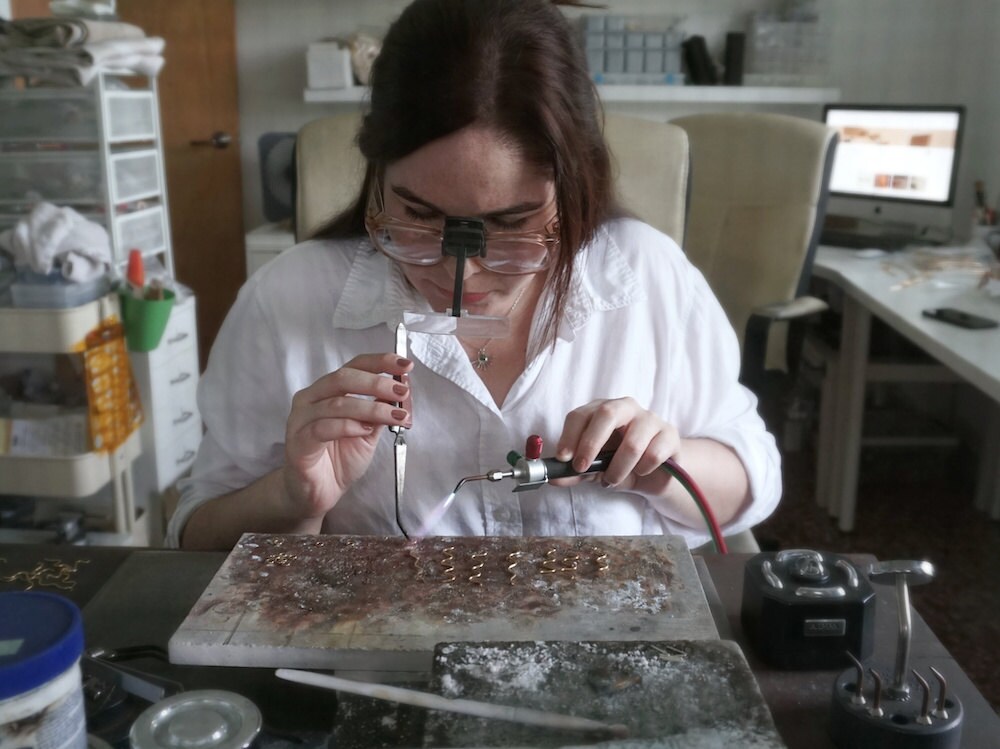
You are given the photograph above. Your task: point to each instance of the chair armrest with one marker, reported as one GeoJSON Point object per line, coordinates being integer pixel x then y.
{"type": "Point", "coordinates": [800, 307]}
{"type": "Point", "coordinates": [753, 372]}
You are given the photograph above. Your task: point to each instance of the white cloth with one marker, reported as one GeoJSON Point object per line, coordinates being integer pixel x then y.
{"type": "Point", "coordinates": [63, 32]}
{"type": "Point", "coordinates": [641, 321]}
{"type": "Point", "coordinates": [79, 65]}
{"type": "Point", "coordinates": [50, 235]}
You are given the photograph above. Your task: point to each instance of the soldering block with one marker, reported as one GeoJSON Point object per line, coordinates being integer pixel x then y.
{"type": "Point", "coordinates": [804, 609]}
{"type": "Point", "coordinates": [367, 603]}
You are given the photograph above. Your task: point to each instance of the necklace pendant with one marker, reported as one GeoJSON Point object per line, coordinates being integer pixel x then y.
{"type": "Point", "coordinates": [482, 360]}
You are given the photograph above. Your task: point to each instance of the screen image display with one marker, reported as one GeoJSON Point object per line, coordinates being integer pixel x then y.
{"type": "Point", "coordinates": [896, 153]}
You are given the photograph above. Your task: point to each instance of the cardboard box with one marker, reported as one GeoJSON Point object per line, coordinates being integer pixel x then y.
{"type": "Point", "coordinates": [328, 65]}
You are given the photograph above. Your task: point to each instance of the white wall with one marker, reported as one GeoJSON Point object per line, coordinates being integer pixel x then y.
{"type": "Point", "coordinates": [271, 41]}
{"type": "Point", "coordinates": [923, 51]}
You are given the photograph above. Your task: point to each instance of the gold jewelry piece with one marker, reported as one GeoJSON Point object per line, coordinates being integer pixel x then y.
{"type": "Point", "coordinates": [549, 563]}
{"type": "Point", "coordinates": [416, 562]}
{"type": "Point", "coordinates": [569, 563]}
{"type": "Point", "coordinates": [514, 557]}
{"type": "Point", "coordinates": [51, 573]}
{"type": "Point", "coordinates": [448, 562]}
{"type": "Point", "coordinates": [479, 561]}
{"type": "Point", "coordinates": [601, 561]}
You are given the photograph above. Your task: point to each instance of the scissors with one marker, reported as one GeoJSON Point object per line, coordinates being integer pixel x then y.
{"type": "Point", "coordinates": [399, 443]}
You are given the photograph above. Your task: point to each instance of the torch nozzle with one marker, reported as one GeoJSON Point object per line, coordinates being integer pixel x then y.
{"type": "Point", "coordinates": [496, 475]}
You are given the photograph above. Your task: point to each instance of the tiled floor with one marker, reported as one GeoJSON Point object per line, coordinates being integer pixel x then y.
{"type": "Point", "coordinates": [914, 504]}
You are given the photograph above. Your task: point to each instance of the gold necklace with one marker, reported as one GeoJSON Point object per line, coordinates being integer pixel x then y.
{"type": "Point", "coordinates": [482, 360]}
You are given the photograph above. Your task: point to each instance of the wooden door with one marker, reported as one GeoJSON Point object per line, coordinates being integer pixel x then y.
{"type": "Point", "coordinates": [198, 98]}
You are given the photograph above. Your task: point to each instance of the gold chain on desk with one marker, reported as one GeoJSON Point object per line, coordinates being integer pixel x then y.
{"type": "Point", "coordinates": [49, 573]}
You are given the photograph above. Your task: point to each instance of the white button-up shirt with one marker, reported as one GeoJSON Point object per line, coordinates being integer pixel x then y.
{"type": "Point", "coordinates": [640, 322]}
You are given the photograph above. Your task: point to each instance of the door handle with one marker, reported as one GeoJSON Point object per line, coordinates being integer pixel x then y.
{"type": "Point", "coordinates": [218, 139]}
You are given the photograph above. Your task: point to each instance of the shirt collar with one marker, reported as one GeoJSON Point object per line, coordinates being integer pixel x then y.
{"type": "Point", "coordinates": [375, 293]}
{"type": "Point", "coordinates": [603, 280]}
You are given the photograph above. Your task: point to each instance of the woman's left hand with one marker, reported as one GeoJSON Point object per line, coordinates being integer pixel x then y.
{"type": "Point", "coordinates": [642, 442]}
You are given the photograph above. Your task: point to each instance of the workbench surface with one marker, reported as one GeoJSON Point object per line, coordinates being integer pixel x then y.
{"type": "Point", "coordinates": [136, 597]}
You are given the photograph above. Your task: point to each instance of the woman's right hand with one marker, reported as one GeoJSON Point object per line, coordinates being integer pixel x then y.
{"type": "Point", "coordinates": [334, 426]}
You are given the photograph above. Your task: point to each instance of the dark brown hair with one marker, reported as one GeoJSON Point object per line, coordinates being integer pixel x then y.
{"type": "Point", "coordinates": [513, 65]}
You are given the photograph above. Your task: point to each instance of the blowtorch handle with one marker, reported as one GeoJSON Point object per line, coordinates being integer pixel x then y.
{"type": "Point", "coordinates": [558, 469]}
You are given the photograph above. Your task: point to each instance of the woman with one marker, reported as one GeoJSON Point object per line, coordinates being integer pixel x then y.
{"type": "Point", "coordinates": [478, 109]}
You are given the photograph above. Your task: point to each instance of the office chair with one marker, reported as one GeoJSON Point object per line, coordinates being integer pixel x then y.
{"type": "Point", "coordinates": [329, 170]}
{"type": "Point", "coordinates": [652, 165]}
{"type": "Point", "coordinates": [759, 186]}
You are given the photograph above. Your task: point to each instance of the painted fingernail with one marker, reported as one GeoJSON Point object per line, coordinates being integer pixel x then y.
{"type": "Point", "coordinates": [402, 362]}
{"type": "Point", "coordinates": [367, 427]}
{"type": "Point", "coordinates": [399, 389]}
{"type": "Point", "coordinates": [606, 484]}
{"type": "Point", "coordinates": [398, 414]}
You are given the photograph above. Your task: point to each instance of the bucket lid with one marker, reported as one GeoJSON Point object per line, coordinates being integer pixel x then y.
{"type": "Point", "coordinates": [200, 719]}
{"type": "Point", "coordinates": [41, 635]}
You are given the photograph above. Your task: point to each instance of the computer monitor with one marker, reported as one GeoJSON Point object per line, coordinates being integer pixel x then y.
{"type": "Point", "coordinates": [895, 168]}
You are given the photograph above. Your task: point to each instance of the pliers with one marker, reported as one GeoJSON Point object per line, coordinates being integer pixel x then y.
{"type": "Point", "coordinates": [399, 443]}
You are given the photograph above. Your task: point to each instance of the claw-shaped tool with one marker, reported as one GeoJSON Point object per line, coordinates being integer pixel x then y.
{"type": "Point", "coordinates": [399, 443]}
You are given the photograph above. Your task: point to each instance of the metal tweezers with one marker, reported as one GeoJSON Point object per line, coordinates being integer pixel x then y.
{"type": "Point", "coordinates": [399, 444]}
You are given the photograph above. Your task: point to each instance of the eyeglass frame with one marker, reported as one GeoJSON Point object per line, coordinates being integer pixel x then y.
{"type": "Point", "coordinates": [377, 217]}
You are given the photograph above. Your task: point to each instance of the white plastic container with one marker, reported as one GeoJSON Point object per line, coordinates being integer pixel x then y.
{"type": "Point", "coordinates": [36, 291]}
{"type": "Point", "coordinates": [41, 695]}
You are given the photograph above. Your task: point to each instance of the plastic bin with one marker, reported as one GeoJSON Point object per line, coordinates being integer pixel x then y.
{"type": "Point", "coordinates": [144, 230]}
{"type": "Point", "coordinates": [134, 175]}
{"type": "Point", "coordinates": [61, 178]}
{"type": "Point", "coordinates": [52, 291]}
{"type": "Point", "coordinates": [70, 115]}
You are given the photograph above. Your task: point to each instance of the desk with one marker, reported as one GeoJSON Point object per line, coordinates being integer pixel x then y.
{"type": "Point", "coordinates": [973, 355]}
{"type": "Point", "coordinates": [139, 597]}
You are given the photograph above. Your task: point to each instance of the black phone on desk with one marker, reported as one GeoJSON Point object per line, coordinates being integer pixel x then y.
{"type": "Point", "coordinates": [960, 318]}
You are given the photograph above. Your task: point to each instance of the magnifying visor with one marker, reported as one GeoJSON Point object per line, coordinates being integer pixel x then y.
{"type": "Point", "coordinates": [425, 244]}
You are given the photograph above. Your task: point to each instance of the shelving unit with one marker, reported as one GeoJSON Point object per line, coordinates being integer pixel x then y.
{"type": "Point", "coordinates": [62, 331]}
{"type": "Point", "coordinates": [98, 149]}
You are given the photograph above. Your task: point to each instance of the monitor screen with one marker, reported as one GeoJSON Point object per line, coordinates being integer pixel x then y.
{"type": "Point", "coordinates": [896, 153]}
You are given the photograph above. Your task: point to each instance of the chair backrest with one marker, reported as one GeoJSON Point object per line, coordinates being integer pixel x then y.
{"type": "Point", "coordinates": [653, 169]}
{"type": "Point", "coordinates": [651, 162]}
{"type": "Point", "coordinates": [759, 184]}
{"type": "Point", "coordinates": [329, 170]}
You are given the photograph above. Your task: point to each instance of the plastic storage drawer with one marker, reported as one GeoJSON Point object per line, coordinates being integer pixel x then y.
{"type": "Point", "coordinates": [134, 175]}
{"type": "Point", "coordinates": [131, 116]}
{"type": "Point", "coordinates": [71, 115]}
{"type": "Point", "coordinates": [60, 178]}
{"type": "Point", "coordinates": [74, 177]}
{"type": "Point", "coordinates": [49, 115]}
{"type": "Point", "coordinates": [142, 230]}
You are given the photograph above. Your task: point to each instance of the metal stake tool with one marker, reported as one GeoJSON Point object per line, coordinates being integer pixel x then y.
{"type": "Point", "coordinates": [903, 574]}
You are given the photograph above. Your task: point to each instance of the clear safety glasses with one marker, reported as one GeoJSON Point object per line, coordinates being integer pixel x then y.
{"type": "Point", "coordinates": [508, 252]}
